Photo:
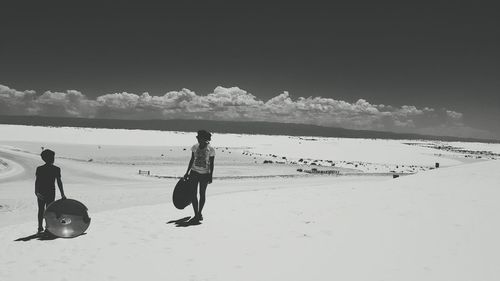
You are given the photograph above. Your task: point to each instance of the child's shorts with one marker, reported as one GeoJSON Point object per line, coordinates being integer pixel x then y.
{"type": "Point", "coordinates": [48, 197]}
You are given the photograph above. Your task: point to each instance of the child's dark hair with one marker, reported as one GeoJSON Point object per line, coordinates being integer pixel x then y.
{"type": "Point", "coordinates": [204, 135]}
{"type": "Point", "coordinates": [48, 156]}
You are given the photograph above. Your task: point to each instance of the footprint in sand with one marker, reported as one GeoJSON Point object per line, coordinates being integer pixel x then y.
{"type": "Point", "coordinates": [4, 208]}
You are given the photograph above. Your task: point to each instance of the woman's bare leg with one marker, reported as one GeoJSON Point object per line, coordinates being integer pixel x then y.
{"type": "Point", "coordinates": [203, 189]}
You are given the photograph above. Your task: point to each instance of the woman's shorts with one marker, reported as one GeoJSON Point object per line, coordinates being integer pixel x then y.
{"type": "Point", "coordinates": [195, 178]}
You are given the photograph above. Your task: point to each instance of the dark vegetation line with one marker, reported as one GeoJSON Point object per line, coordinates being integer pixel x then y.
{"type": "Point", "coordinates": [264, 128]}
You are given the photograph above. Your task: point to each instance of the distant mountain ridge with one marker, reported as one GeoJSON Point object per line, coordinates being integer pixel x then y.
{"type": "Point", "coordinates": [250, 127]}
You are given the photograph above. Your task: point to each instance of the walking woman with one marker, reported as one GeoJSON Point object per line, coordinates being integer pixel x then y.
{"type": "Point", "coordinates": [200, 171]}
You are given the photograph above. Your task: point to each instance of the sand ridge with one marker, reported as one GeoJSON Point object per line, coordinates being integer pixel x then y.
{"type": "Point", "coordinates": [437, 224]}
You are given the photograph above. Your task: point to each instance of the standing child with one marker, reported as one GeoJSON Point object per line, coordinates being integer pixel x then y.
{"type": "Point", "coordinates": [45, 190]}
{"type": "Point", "coordinates": [200, 171]}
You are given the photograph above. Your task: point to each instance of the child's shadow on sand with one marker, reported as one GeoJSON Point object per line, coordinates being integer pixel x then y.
{"type": "Point", "coordinates": [38, 236]}
{"type": "Point", "coordinates": [185, 222]}
{"type": "Point", "coordinates": [46, 236]}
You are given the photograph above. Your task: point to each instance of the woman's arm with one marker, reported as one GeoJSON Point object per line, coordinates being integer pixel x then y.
{"type": "Point", "coordinates": [212, 160]}
{"type": "Point", "coordinates": [189, 165]}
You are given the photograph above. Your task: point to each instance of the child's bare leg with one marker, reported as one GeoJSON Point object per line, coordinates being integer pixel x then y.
{"type": "Point", "coordinates": [41, 210]}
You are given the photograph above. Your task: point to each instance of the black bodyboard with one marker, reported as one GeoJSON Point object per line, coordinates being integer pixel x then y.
{"type": "Point", "coordinates": [182, 194]}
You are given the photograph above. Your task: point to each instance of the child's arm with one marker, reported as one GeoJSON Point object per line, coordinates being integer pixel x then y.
{"type": "Point", "coordinates": [212, 159]}
{"type": "Point", "coordinates": [37, 187]}
{"type": "Point", "coordinates": [189, 165]}
{"type": "Point", "coordinates": [60, 185]}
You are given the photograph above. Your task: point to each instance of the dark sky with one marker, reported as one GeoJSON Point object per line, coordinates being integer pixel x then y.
{"type": "Point", "coordinates": [439, 57]}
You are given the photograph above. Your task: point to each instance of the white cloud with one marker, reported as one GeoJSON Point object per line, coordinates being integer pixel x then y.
{"type": "Point", "coordinates": [453, 115]}
{"type": "Point", "coordinates": [15, 102]}
{"type": "Point", "coordinates": [70, 103]}
{"type": "Point", "coordinates": [235, 104]}
{"type": "Point", "coordinates": [224, 97]}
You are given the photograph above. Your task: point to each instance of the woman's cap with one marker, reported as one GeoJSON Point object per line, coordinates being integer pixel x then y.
{"type": "Point", "coordinates": [204, 135]}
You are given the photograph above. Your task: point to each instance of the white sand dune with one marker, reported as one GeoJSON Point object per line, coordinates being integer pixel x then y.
{"type": "Point", "coordinates": [367, 150]}
{"type": "Point", "coordinates": [10, 169]}
{"type": "Point", "coordinates": [440, 225]}
{"type": "Point", "coordinates": [435, 225]}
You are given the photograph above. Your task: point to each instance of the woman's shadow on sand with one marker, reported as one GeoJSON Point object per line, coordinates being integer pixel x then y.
{"type": "Point", "coordinates": [185, 222]}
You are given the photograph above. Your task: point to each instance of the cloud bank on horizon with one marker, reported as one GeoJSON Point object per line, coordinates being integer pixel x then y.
{"type": "Point", "coordinates": [235, 104]}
